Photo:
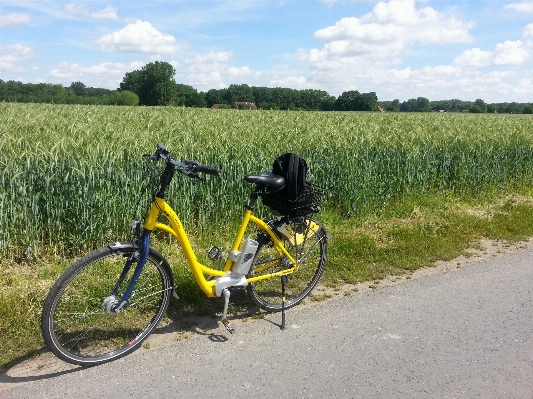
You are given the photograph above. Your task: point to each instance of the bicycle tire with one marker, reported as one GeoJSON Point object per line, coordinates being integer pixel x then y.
{"type": "Point", "coordinates": [311, 256]}
{"type": "Point", "coordinates": [74, 323]}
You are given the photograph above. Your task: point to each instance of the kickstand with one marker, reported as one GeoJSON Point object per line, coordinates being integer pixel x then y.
{"type": "Point", "coordinates": [284, 280]}
{"type": "Point", "coordinates": [225, 320]}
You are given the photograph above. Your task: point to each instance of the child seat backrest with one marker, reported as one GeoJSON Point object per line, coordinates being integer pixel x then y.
{"type": "Point", "coordinates": [297, 197]}
{"type": "Point", "coordinates": [294, 171]}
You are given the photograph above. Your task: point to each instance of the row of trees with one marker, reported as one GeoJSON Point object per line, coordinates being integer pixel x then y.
{"type": "Point", "coordinates": [76, 93]}
{"type": "Point", "coordinates": [422, 104]}
{"type": "Point", "coordinates": [154, 85]}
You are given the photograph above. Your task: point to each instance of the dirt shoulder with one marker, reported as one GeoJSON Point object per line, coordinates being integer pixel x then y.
{"type": "Point", "coordinates": [481, 252]}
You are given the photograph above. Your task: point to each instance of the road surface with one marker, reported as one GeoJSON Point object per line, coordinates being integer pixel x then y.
{"type": "Point", "coordinates": [464, 333]}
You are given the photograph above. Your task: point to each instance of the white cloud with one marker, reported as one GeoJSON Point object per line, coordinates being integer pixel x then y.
{"type": "Point", "coordinates": [242, 72]}
{"type": "Point", "coordinates": [14, 19]}
{"type": "Point", "coordinates": [110, 73]}
{"type": "Point", "coordinates": [11, 55]}
{"type": "Point", "coordinates": [398, 75]}
{"type": "Point", "coordinates": [207, 68]}
{"type": "Point", "coordinates": [73, 8]}
{"type": "Point", "coordinates": [465, 84]}
{"type": "Point", "coordinates": [295, 82]}
{"type": "Point", "coordinates": [211, 70]}
{"type": "Point", "coordinates": [524, 87]}
{"type": "Point", "coordinates": [358, 52]}
{"type": "Point", "coordinates": [204, 75]}
{"type": "Point", "coordinates": [109, 13]}
{"type": "Point", "coordinates": [383, 35]}
{"type": "Point", "coordinates": [139, 37]}
{"type": "Point", "coordinates": [507, 53]}
{"type": "Point", "coordinates": [511, 53]}
{"type": "Point", "coordinates": [212, 56]}
{"type": "Point", "coordinates": [474, 57]}
{"type": "Point", "coordinates": [525, 7]}
{"type": "Point", "coordinates": [206, 81]}
{"type": "Point", "coordinates": [328, 2]}
{"type": "Point", "coordinates": [528, 32]}
{"type": "Point", "coordinates": [519, 91]}
{"type": "Point", "coordinates": [398, 21]}
{"type": "Point", "coordinates": [441, 71]}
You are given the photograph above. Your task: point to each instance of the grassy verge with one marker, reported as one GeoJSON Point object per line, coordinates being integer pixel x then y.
{"type": "Point", "coordinates": [416, 233]}
{"type": "Point", "coordinates": [404, 236]}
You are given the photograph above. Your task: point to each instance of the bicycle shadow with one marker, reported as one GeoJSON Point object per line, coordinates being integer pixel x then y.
{"type": "Point", "coordinates": [41, 367]}
{"type": "Point", "coordinates": [210, 326]}
{"type": "Point", "coordinates": [42, 364]}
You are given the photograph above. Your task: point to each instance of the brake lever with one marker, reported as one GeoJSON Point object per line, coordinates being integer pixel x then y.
{"type": "Point", "coordinates": [202, 179]}
{"type": "Point", "coordinates": [190, 163]}
{"type": "Point", "coordinates": [192, 175]}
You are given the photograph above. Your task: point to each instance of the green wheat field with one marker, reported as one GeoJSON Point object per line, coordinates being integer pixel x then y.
{"type": "Point", "coordinates": [70, 175]}
{"type": "Point", "coordinates": [402, 189]}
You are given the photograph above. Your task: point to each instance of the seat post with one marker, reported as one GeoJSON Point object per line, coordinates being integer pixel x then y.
{"type": "Point", "coordinates": [263, 181]}
{"type": "Point", "coordinates": [253, 198]}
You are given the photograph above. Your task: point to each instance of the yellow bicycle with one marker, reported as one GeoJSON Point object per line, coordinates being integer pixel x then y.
{"type": "Point", "coordinates": [107, 303]}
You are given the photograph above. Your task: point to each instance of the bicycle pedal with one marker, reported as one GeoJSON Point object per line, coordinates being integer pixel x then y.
{"type": "Point", "coordinates": [215, 254]}
{"type": "Point", "coordinates": [228, 326]}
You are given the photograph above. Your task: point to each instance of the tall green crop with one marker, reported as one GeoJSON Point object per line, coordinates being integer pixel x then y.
{"type": "Point", "coordinates": [70, 175]}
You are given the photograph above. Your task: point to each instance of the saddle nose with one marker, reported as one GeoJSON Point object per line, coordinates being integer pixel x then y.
{"type": "Point", "coordinates": [267, 179]}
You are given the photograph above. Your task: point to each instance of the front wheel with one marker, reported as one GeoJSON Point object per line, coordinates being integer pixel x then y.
{"type": "Point", "coordinates": [76, 323]}
{"type": "Point", "coordinates": [306, 241]}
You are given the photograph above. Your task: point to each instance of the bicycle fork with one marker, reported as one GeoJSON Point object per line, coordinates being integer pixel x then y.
{"type": "Point", "coordinates": [112, 304]}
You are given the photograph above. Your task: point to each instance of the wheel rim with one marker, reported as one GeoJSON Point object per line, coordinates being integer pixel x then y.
{"type": "Point", "coordinates": [310, 256]}
{"type": "Point", "coordinates": [81, 328]}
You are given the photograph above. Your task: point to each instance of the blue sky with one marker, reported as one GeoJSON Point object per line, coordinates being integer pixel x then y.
{"type": "Point", "coordinates": [464, 49]}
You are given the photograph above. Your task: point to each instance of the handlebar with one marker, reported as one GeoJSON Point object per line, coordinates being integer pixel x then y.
{"type": "Point", "coordinates": [209, 170]}
{"type": "Point", "coordinates": [186, 167]}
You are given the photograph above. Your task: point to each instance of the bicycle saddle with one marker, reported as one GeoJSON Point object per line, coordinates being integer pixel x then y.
{"type": "Point", "coordinates": [267, 179]}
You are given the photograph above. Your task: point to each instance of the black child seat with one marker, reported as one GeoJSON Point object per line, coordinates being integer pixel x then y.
{"type": "Point", "coordinates": [297, 197]}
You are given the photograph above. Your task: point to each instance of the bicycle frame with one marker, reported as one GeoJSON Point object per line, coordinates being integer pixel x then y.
{"type": "Point", "coordinates": [226, 278]}
{"type": "Point", "coordinates": [160, 206]}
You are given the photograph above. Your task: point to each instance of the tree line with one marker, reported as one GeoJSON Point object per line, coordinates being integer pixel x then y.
{"type": "Point", "coordinates": [76, 93]}
{"type": "Point", "coordinates": [154, 85]}
{"type": "Point", "coordinates": [479, 106]}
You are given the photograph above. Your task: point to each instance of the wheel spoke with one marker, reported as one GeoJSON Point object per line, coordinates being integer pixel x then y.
{"type": "Point", "coordinates": [308, 248]}
{"type": "Point", "coordinates": [77, 327]}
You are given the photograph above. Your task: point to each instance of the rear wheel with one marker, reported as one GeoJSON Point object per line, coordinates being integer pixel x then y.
{"type": "Point", "coordinates": [306, 241]}
{"type": "Point", "coordinates": [76, 322]}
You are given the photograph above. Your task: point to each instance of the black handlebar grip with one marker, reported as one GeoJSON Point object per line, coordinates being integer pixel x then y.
{"type": "Point", "coordinates": [207, 170]}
